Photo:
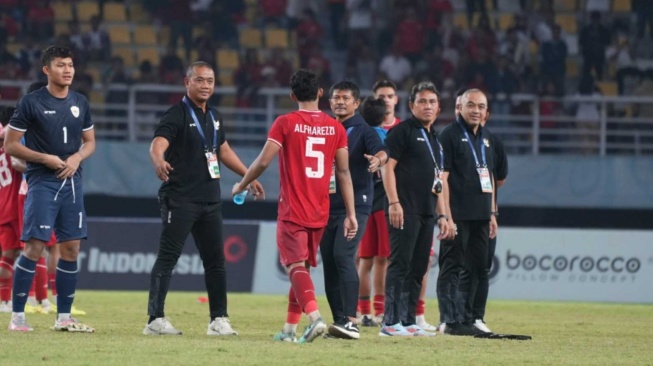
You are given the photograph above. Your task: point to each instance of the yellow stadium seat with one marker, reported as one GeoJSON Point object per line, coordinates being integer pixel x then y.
{"type": "Point", "coordinates": [227, 59]}
{"type": "Point", "coordinates": [489, 5]}
{"type": "Point", "coordinates": [533, 48]}
{"type": "Point", "coordinates": [276, 38]}
{"type": "Point", "coordinates": [506, 20]}
{"type": "Point", "coordinates": [608, 88]}
{"type": "Point", "coordinates": [114, 12]}
{"type": "Point", "coordinates": [61, 28]}
{"type": "Point", "coordinates": [198, 32]}
{"type": "Point", "coordinates": [250, 38]}
{"type": "Point", "coordinates": [460, 20]}
{"type": "Point", "coordinates": [13, 47]}
{"type": "Point", "coordinates": [96, 97]}
{"type": "Point", "coordinates": [126, 53]}
{"type": "Point", "coordinates": [120, 34]}
{"type": "Point", "coordinates": [148, 53]}
{"type": "Point", "coordinates": [572, 67]}
{"type": "Point", "coordinates": [565, 5]}
{"type": "Point", "coordinates": [567, 22]}
{"type": "Point", "coordinates": [95, 73]}
{"type": "Point", "coordinates": [62, 11]}
{"type": "Point", "coordinates": [145, 35]}
{"type": "Point", "coordinates": [86, 10]}
{"type": "Point", "coordinates": [621, 6]}
{"type": "Point", "coordinates": [137, 14]}
{"type": "Point", "coordinates": [226, 80]}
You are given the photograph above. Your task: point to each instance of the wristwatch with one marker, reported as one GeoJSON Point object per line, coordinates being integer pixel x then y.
{"type": "Point", "coordinates": [442, 217]}
{"type": "Point", "coordinates": [495, 213]}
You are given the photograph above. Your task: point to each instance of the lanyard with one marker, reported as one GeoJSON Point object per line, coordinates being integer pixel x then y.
{"type": "Point", "coordinates": [428, 143]}
{"type": "Point", "coordinates": [469, 141]}
{"type": "Point", "coordinates": [200, 127]}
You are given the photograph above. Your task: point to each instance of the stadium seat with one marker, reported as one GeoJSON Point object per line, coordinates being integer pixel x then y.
{"type": "Point", "coordinates": [621, 6]}
{"type": "Point", "coordinates": [96, 97]}
{"type": "Point", "coordinates": [227, 59]}
{"type": "Point", "coordinates": [226, 79]}
{"type": "Point", "coordinates": [250, 38]}
{"type": "Point", "coordinates": [572, 67]}
{"type": "Point", "coordinates": [564, 5]}
{"type": "Point", "coordinates": [86, 10]}
{"type": "Point", "coordinates": [506, 20]}
{"type": "Point", "coordinates": [114, 12]}
{"type": "Point", "coordinates": [533, 48]}
{"type": "Point", "coordinates": [148, 53]}
{"type": "Point", "coordinates": [276, 38]}
{"type": "Point", "coordinates": [460, 20]}
{"type": "Point", "coordinates": [95, 73]}
{"type": "Point", "coordinates": [61, 28]}
{"type": "Point", "coordinates": [13, 47]}
{"type": "Point", "coordinates": [120, 34]}
{"type": "Point", "coordinates": [137, 14]}
{"type": "Point", "coordinates": [567, 22]}
{"type": "Point", "coordinates": [608, 88]}
{"type": "Point", "coordinates": [144, 35]}
{"type": "Point", "coordinates": [126, 53]}
{"type": "Point", "coordinates": [62, 11]}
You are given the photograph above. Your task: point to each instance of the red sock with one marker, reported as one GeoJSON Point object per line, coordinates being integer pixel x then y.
{"type": "Point", "coordinates": [41, 280]}
{"type": "Point", "coordinates": [5, 283]}
{"type": "Point", "coordinates": [420, 308]}
{"type": "Point", "coordinates": [302, 285]}
{"type": "Point", "coordinates": [379, 301]}
{"type": "Point", "coordinates": [53, 284]}
{"type": "Point", "coordinates": [294, 310]}
{"type": "Point", "coordinates": [365, 305]}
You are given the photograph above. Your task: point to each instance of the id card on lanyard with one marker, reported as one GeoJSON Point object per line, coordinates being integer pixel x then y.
{"type": "Point", "coordinates": [211, 155]}
{"type": "Point", "coordinates": [437, 182]}
{"type": "Point", "coordinates": [332, 180]}
{"type": "Point", "coordinates": [481, 169]}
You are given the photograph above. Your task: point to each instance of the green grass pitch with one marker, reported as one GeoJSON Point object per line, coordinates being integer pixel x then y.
{"type": "Point", "coordinates": [563, 334]}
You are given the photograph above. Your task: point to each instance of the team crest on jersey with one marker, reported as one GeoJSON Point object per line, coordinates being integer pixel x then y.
{"type": "Point", "coordinates": [75, 111]}
{"type": "Point", "coordinates": [216, 123]}
{"type": "Point", "coordinates": [486, 142]}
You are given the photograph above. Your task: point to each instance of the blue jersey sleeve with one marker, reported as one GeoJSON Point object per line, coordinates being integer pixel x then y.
{"type": "Point", "coordinates": [87, 123]}
{"type": "Point", "coordinates": [21, 120]}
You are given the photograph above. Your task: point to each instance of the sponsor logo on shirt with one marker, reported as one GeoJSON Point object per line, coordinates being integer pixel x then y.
{"type": "Point", "coordinates": [50, 112]}
{"type": "Point", "coordinates": [420, 139]}
{"type": "Point", "coordinates": [216, 123]}
{"type": "Point", "coordinates": [191, 125]}
{"type": "Point", "coordinates": [486, 142]}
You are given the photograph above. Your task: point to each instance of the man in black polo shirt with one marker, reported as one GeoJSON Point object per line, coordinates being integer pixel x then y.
{"type": "Point", "coordinates": [468, 163]}
{"type": "Point", "coordinates": [412, 182]}
{"type": "Point", "coordinates": [186, 152]}
{"type": "Point", "coordinates": [366, 154]}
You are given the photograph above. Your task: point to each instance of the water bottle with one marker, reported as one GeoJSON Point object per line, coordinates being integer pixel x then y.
{"type": "Point", "coordinates": [239, 198]}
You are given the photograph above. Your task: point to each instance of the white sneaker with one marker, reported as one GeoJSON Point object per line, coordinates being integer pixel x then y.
{"type": "Point", "coordinates": [19, 324]}
{"type": "Point", "coordinates": [220, 327]}
{"type": "Point", "coordinates": [480, 324]}
{"type": "Point", "coordinates": [5, 307]}
{"type": "Point", "coordinates": [441, 328]}
{"type": "Point", "coordinates": [160, 326]}
{"type": "Point", "coordinates": [421, 322]}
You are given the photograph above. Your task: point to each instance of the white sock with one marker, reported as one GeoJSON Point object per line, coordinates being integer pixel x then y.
{"type": "Point", "coordinates": [313, 316]}
{"type": "Point", "coordinates": [63, 316]}
{"type": "Point", "coordinates": [22, 315]}
{"type": "Point", "coordinates": [289, 328]}
{"type": "Point", "coordinates": [419, 319]}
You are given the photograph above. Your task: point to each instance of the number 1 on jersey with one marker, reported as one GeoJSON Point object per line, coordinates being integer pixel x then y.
{"type": "Point", "coordinates": [65, 135]}
{"type": "Point", "coordinates": [319, 155]}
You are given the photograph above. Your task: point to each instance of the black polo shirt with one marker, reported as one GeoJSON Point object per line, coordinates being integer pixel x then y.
{"type": "Point", "coordinates": [415, 168]}
{"type": "Point", "coordinates": [190, 179]}
{"type": "Point", "coordinates": [467, 200]}
{"type": "Point", "coordinates": [500, 157]}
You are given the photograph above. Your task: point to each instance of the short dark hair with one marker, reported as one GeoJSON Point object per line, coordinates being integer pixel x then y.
{"type": "Point", "coordinates": [36, 86]}
{"type": "Point", "coordinates": [304, 85]}
{"type": "Point", "coordinates": [346, 85]}
{"type": "Point", "coordinates": [5, 114]}
{"type": "Point", "coordinates": [460, 92]}
{"type": "Point", "coordinates": [373, 111]}
{"type": "Point", "coordinates": [53, 52]}
{"type": "Point", "coordinates": [384, 84]}
{"type": "Point", "coordinates": [420, 87]}
{"type": "Point", "coordinates": [191, 67]}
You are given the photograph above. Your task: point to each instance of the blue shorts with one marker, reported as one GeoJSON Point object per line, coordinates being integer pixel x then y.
{"type": "Point", "coordinates": [55, 205]}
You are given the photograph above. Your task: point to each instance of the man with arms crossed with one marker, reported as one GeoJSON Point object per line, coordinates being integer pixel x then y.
{"type": "Point", "coordinates": [307, 142]}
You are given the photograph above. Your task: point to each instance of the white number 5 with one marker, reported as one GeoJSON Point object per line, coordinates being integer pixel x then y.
{"type": "Point", "coordinates": [319, 155]}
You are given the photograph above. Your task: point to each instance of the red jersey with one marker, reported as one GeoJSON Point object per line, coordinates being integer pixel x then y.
{"type": "Point", "coordinates": [10, 181]}
{"type": "Point", "coordinates": [308, 140]}
{"type": "Point", "coordinates": [388, 127]}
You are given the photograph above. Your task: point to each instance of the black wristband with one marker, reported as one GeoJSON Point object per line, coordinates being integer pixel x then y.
{"type": "Point", "coordinates": [495, 213]}
{"type": "Point", "coordinates": [442, 217]}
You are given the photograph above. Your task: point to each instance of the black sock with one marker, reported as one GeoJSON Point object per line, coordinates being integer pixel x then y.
{"type": "Point", "coordinates": [152, 318]}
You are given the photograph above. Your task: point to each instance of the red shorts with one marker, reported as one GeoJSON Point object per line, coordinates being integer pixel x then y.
{"type": "Point", "coordinates": [297, 243]}
{"type": "Point", "coordinates": [10, 236]}
{"type": "Point", "coordinates": [375, 241]}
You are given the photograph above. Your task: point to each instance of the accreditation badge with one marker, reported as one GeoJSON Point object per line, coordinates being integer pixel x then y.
{"type": "Point", "coordinates": [332, 180]}
{"type": "Point", "coordinates": [437, 183]}
{"type": "Point", "coordinates": [214, 167]}
{"type": "Point", "coordinates": [486, 183]}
